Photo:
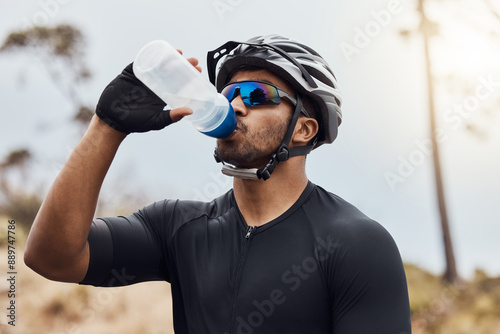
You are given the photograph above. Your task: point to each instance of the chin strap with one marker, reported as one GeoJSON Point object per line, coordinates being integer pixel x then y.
{"type": "Point", "coordinates": [282, 154]}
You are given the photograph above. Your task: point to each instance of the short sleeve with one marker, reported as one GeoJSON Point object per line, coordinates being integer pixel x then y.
{"type": "Point", "coordinates": [369, 283]}
{"type": "Point", "coordinates": [125, 250]}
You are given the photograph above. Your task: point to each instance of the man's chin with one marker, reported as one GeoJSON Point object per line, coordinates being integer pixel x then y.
{"type": "Point", "coordinates": [240, 159]}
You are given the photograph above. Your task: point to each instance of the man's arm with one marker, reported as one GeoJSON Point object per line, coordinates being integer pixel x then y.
{"type": "Point", "coordinates": [369, 282]}
{"type": "Point", "coordinates": [57, 245]}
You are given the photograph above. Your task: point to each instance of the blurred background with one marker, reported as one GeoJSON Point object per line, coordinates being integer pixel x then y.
{"type": "Point", "coordinates": [412, 73]}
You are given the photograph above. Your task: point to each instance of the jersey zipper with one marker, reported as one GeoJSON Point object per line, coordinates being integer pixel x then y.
{"type": "Point", "coordinates": [249, 232]}
{"type": "Point", "coordinates": [239, 272]}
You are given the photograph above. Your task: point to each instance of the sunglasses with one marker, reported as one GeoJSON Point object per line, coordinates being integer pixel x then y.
{"type": "Point", "coordinates": [257, 93]}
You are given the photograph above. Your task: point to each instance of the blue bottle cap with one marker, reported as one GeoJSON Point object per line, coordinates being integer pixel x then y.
{"type": "Point", "coordinates": [227, 127]}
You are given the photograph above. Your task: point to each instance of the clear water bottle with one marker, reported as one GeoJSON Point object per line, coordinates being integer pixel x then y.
{"type": "Point", "coordinates": [170, 76]}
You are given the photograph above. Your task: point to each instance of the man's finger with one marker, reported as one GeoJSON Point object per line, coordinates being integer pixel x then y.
{"type": "Point", "coordinates": [178, 113]}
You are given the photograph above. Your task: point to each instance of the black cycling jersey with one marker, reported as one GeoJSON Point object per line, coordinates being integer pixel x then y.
{"type": "Point", "coordinates": [321, 267]}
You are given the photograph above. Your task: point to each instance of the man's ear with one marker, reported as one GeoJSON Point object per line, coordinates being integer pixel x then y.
{"type": "Point", "coordinates": [305, 130]}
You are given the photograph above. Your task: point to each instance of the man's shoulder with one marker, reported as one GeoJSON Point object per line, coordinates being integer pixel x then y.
{"type": "Point", "coordinates": [186, 210]}
{"type": "Point", "coordinates": [329, 213]}
{"type": "Point", "coordinates": [326, 203]}
{"type": "Point", "coordinates": [349, 229]}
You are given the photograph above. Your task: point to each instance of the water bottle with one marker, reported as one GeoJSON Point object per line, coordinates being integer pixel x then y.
{"type": "Point", "coordinates": [170, 76]}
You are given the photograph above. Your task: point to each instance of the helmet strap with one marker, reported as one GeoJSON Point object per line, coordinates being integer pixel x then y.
{"type": "Point", "coordinates": [282, 154]}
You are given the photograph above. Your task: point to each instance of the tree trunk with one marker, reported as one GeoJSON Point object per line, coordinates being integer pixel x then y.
{"type": "Point", "coordinates": [427, 28]}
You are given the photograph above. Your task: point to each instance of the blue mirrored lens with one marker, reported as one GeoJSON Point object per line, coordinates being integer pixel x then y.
{"type": "Point", "coordinates": [253, 93]}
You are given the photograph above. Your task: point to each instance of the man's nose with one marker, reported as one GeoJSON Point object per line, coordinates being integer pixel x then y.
{"type": "Point", "coordinates": [239, 107]}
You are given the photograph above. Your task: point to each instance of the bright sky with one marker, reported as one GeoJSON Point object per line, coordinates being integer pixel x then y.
{"type": "Point", "coordinates": [385, 125]}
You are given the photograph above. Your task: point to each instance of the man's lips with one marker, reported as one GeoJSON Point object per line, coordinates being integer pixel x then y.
{"type": "Point", "coordinates": [240, 128]}
{"type": "Point", "coordinates": [237, 130]}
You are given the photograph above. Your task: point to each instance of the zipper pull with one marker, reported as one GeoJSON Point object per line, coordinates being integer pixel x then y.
{"type": "Point", "coordinates": [249, 232]}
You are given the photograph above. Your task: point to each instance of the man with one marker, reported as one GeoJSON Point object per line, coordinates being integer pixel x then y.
{"type": "Point", "coordinates": [276, 254]}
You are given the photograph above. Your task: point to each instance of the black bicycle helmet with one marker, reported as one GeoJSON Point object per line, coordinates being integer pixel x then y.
{"type": "Point", "coordinates": [302, 67]}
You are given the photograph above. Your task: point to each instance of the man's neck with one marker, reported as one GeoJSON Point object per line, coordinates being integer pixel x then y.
{"type": "Point", "coordinates": [262, 201]}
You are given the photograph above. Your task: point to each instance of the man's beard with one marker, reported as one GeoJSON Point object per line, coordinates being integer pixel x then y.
{"type": "Point", "coordinates": [257, 147]}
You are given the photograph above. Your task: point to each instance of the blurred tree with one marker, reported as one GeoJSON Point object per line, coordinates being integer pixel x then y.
{"type": "Point", "coordinates": [429, 30]}
{"type": "Point", "coordinates": [492, 9]}
{"type": "Point", "coordinates": [15, 200]}
{"type": "Point", "coordinates": [60, 50]}
{"type": "Point", "coordinates": [18, 158]}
